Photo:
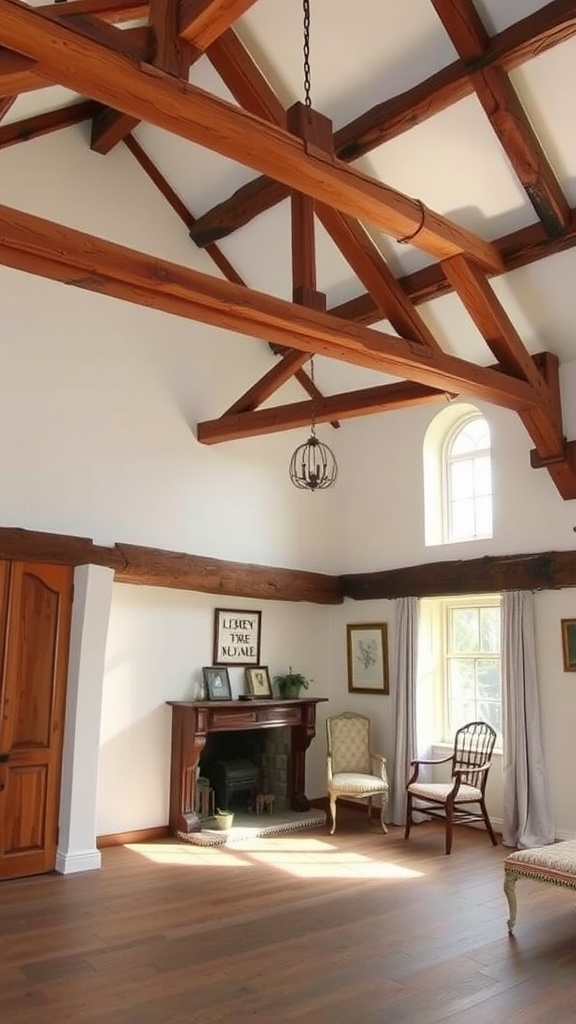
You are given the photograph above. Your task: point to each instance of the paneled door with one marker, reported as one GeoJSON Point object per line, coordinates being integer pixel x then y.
{"type": "Point", "coordinates": [35, 612]}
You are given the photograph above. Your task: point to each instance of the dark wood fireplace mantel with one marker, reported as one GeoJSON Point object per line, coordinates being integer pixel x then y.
{"type": "Point", "coordinates": [193, 720]}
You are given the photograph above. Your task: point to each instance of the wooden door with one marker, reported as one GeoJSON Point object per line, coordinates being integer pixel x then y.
{"type": "Point", "coordinates": [35, 612]}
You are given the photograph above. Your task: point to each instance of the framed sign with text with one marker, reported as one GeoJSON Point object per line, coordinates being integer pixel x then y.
{"type": "Point", "coordinates": [236, 637]}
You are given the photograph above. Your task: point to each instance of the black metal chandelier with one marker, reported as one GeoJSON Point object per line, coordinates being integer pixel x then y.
{"type": "Point", "coordinates": [313, 466]}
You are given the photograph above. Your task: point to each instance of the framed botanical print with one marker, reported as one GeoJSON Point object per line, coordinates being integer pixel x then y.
{"type": "Point", "coordinates": [367, 651]}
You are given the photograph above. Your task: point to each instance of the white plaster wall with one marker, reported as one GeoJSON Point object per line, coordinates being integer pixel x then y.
{"type": "Point", "coordinates": [380, 516]}
{"type": "Point", "coordinates": [99, 399]}
{"type": "Point", "coordinates": [158, 642]}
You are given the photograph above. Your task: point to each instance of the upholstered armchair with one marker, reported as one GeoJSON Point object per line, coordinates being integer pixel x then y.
{"type": "Point", "coordinates": [453, 801]}
{"type": "Point", "coordinates": [354, 770]}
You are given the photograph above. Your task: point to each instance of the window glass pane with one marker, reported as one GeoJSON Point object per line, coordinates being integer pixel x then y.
{"type": "Point", "coordinates": [462, 479]}
{"type": "Point", "coordinates": [460, 713]}
{"type": "Point", "coordinates": [482, 475]}
{"type": "Point", "coordinates": [473, 436]}
{"type": "Point", "coordinates": [488, 679]}
{"type": "Point", "coordinates": [491, 713]}
{"type": "Point", "coordinates": [461, 679]}
{"type": "Point", "coordinates": [465, 629]}
{"type": "Point", "coordinates": [489, 629]}
{"type": "Point", "coordinates": [462, 519]}
{"type": "Point", "coordinates": [483, 517]}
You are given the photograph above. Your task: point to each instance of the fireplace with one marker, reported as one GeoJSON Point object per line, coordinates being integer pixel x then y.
{"type": "Point", "coordinates": [241, 765]}
{"type": "Point", "coordinates": [203, 729]}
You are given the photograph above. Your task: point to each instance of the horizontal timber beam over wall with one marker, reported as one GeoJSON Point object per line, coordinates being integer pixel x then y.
{"type": "Point", "coordinates": [550, 570]}
{"type": "Point", "coordinates": [154, 567]}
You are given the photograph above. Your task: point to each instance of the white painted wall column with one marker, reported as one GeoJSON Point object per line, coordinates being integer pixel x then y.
{"type": "Point", "coordinates": [90, 617]}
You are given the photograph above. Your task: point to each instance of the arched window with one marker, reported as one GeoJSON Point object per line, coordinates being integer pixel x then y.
{"type": "Point", "coordinates": [468, 481]}
{"type": "Point", "coordinates": [457, 476]}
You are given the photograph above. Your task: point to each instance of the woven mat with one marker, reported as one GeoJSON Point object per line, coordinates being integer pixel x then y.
{"type": "Point", "coordinates": [251, 826]}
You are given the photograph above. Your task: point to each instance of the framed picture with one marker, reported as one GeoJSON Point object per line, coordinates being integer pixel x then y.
{"type": "Point", "coordinates": [236, 637]}
{"type": "Point", "coordinates": [569, 644]}
{"type": "Point", "coordinates": [367, 648]}
{"type": "Point", "coordinates": [217, 683]}
{"type": "Point", "coordinates": [258, 681]}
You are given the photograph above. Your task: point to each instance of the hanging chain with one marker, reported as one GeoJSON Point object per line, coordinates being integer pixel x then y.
{"type": "Point", "coordinates": [312, 418]}
{"type": "Point", "coordinates": [306, 6]}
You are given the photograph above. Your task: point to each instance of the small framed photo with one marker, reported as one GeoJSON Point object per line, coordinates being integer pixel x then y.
{"type": "Point", "coordinates": [236, 637]}
{"type": "Point", "coordinates": [217, 683]}
{"type": "Point", "coordinates": [569, 644]}
{"type": "Point", "coordinates": [258, 681]}
{"type": "Point", "coordinates": [367, 649]}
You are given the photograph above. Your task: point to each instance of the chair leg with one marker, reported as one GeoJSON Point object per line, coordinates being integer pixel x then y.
{"type": "Point", "coordinates": [449, 823]}
{"type": "Point", "coordinates": [408, 815]}
{"type": "Point", "coordinates": [369, 804]}
{"type": "Point", "coordinates": [383, 806]}
{"type": "Point", "coordinates": [333, 814]}
{"type": "Point", "coordinates": [488, 823]}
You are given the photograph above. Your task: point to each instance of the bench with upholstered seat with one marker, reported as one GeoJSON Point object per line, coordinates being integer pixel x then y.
{"type": "Point", "coordinates": [555, 864]}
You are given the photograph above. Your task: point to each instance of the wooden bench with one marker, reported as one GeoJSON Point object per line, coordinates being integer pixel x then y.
{"type": "Point", "coordinates": [554, 864]}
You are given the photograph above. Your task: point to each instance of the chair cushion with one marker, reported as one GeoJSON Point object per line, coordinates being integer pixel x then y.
{"type": "Point", "coordinates": [355, 782]}
{"type": "Point", "coordinates": [554, 860]}
{"type": "Point", "coordinates": [439, 791]}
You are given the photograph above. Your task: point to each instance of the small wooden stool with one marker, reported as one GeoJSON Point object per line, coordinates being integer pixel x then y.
{"type": "Point", "coordinates": [265, 802]}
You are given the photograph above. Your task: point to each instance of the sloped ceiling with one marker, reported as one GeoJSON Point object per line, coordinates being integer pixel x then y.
{"type": "Point", "coordinates": [413, 227]}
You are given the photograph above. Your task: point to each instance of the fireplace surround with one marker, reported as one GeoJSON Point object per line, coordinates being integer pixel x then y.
{"type": "Point", "coordinates": [194, 721]}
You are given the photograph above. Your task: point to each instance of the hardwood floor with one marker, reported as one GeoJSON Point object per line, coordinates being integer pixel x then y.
{"type": "Point", "coordinates": [358, 928]}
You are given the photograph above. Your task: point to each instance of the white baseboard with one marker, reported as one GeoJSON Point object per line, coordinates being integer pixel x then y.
{"type": "Point", "coordinates": [85, 860]}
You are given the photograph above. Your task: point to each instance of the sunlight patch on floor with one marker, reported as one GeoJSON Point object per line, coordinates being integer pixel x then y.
{"type": "Point", "coordinates": [303, 857]}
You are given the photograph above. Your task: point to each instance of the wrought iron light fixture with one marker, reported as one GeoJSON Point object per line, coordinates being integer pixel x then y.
{"type": "Point", "coordinates": [313, 466]}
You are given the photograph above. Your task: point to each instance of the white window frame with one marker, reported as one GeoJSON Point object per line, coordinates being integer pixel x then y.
{"type": "Point", "coordinates": [443, 690]}
{"type": "Point", "coordinates": [447, 461]}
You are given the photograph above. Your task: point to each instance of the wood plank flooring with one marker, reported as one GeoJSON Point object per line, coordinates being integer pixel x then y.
{"type": "Point", "coordinates": [357, 928]}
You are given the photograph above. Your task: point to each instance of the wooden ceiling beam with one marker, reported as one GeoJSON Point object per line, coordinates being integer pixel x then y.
{"type": "Point", "coordinates": [365, 402]}
{"type": "Point", "coordinates": [518, 249]}
{"type": "Point", "coordinates": [252, 91]}
{"type": "Point", "coordinates": [172, 53]}
{"type": "Point", "coordinates": [202, 21]}
{"type": "Point", "coordinates": [19, 74]}
{"type": "Point", "coordinates": [143, 91]}
{"type": "Point", "coordinates": [544, 421]}
{"type": "Point", "coordinates": [182, 211]}
{"type": "Point", "coordinates": [38, 246]}
{"type": "Point", "coordinates": [114, 11]}
{"type": "Point", "coordinates": [44, 124]}
{"type": "Point", "coordinates": [247, 84]}
{"type": "Point", "coordinates": [510, 48]}
{"type": "Point", "coordinates": [6, 103]}
{"type": "Point", "coordinates": [288, 366]}
{"type": "Point", "coordinates": [506, 114]}
{"type": "Point", "coordinates": [371, 268]}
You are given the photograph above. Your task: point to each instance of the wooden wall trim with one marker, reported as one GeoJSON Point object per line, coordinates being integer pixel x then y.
{"type": "Point", "coordinates": [155, 567]}
{"type": "Point", "coordinates": [141, 835]}
{"type": "Point", "coordinates": [549, 570]}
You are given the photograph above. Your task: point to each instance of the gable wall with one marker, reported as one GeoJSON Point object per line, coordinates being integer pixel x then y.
{"type": "Point", "coordinates": [98, 402]}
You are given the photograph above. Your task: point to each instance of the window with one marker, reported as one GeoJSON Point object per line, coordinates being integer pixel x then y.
{"type": "Point", "coordinates": [468, 481]}
{"type": "Point", "coordinates": [471, 664]}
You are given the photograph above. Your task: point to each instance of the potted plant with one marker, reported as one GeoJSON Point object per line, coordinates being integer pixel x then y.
{"type": "Point", "coordinates": [290, 684]}
{"type": "Point", "coordinates": [224, 819]}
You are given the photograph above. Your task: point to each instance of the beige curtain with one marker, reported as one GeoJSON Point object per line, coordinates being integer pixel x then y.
{"type": "Point", "coordinates": [404, 680]}
{"type": "Point", "coordinates": [528, 819]}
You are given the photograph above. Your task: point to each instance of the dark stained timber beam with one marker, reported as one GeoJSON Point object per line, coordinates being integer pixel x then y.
{"type": "Point", "coordinates": [491, 574]}
{"type": "Point", "coordinates": [154, 567]}
{"type": "Point", "coordinates": [142, 91]}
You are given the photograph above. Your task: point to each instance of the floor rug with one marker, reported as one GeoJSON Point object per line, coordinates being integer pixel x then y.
{"type": "Point", "coordinates": [250, 826]}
